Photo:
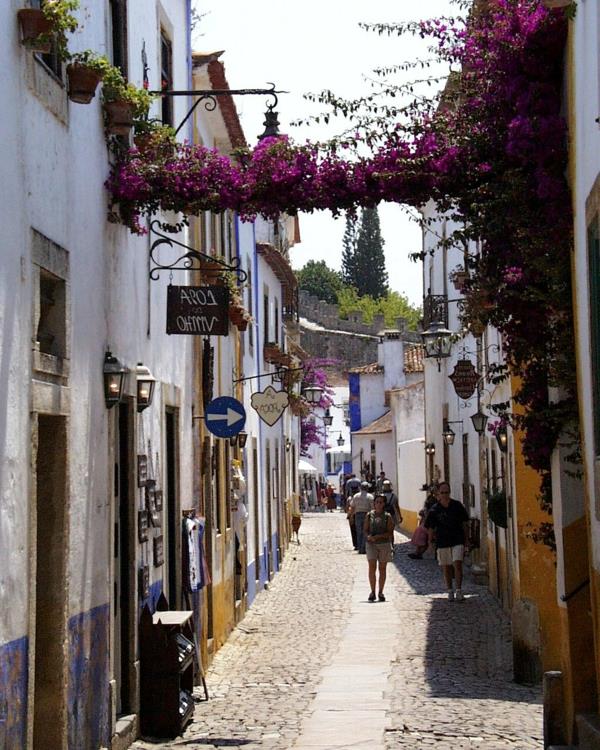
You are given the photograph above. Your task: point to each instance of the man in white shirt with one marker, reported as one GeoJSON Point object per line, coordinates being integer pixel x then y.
{"type": "Point", "coordinates": [360, 505]}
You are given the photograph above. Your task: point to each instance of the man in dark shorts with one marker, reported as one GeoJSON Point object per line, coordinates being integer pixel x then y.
{"type": "Point", "coordinates": [448, 520]}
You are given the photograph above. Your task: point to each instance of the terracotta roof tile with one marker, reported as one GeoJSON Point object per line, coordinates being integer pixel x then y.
{"type": "Point", "coordinates": [373, 369]}
{"type": "Point", "coordinates": [413, 359]}
{"type": "Point", "coordinates": [381, 424]}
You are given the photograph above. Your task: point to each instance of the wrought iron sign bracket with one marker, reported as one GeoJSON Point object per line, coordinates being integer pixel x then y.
{"type": "Point", "coordinates": [275, 376]}
{"type": "Point", "coordinates": [190, 260]}
{"type": "Point", "coordinates": [210, 96]}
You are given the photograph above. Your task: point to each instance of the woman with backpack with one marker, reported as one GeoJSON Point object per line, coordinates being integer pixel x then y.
{"type": "Point", "coordinates": [379, 533]}
{"type": "Point", "coordinates": [391, 502]}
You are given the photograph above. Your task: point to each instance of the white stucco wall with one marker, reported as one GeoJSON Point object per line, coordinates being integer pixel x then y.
{"type": "Point", "coordinates": [585, 136]}
{"type": "Point", "coordinates": [53, 180]}
{"type": "Point", "coordinates": [408, 420]}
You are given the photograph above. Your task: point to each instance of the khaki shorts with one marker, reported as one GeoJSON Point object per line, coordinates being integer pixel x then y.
{"type": "Point", "coordinates": [383, 552]}
{"type": "Point", "coordinates": [449, 555]}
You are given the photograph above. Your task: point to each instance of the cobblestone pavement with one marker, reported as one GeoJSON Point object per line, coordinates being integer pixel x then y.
{"type": "Point", "coordinates": [449, 680]}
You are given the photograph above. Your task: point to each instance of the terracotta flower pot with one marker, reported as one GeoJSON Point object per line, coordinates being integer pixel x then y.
{"type": "Point", "coordinates": [33, 24]}
{"type": "Point", "coordinates": [83, 82]}
{"type": "Point", "coordinates": [243, 324]}
{"type": "Point", "coordinates": [119, 117]}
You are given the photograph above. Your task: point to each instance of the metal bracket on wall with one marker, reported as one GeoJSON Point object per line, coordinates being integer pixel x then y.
{"type": "Point", "coordinates": [191, 260]}
{"type": "Point", "coordinates": [210, 96]}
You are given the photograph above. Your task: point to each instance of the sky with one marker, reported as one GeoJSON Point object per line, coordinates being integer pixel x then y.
{"type": "Point", "coordinates": [308, 47]}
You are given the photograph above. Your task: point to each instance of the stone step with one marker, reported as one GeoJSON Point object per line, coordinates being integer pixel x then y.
{"type": "Point", "coordinates": [588, 726]}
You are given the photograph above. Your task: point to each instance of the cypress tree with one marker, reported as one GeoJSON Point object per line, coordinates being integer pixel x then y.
{"type": "Point", "coordinates": [349, 251]}
{"type": "Point", "coordinates": [368, 263]}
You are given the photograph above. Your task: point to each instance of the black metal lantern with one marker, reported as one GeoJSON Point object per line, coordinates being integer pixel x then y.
{"type": "Point", "coordinates": [271, 124]}
{"type": "Point", "coordinates": [312, 393]}
{"type": "Point", "coordinates": [437, 340]}
{"type": "Point", "coordinates": [242, 437]}
{"type": "Point", "coordinates": [114, 380]}
{"type": "Point", "coordinates": [502, 438]}
{"type": "Point", "coordinates": [448, 435]}
{"type": "Point", "coordinates": [233, 441]}
{"type": "Point", "coordinates": [430, 449]}
{"type": "Point", "coordinates": [145, 383]}
{"type": "Point", "coordinates": [479, 420]}
{"type": "Point", "coordinates": [340, 441]}
{"type": "Point", "coordinates": [328, 419]}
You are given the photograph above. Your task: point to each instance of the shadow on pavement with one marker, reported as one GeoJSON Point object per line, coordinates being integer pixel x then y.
{"type": "Point", "coordinates": [468, 643]}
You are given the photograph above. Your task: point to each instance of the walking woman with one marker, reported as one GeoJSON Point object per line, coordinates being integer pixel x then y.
{"type": "Point", "coordinates": [379, 533]}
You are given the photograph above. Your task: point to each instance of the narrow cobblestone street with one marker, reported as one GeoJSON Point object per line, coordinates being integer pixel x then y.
{"type": "Point", "coordinates": [314, 665]}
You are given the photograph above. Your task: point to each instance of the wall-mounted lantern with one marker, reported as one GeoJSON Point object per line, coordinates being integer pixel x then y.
{"type": "Point", "coordinates": [502, 438]}
{"type": "Point", "coordinates": [437, 341]}
{"type": "Point", "coordinates": [312, 393]}
{"type": "Point", "coordinates": [145, 383]}
{"type": "Point", "coordinates": [328, 419]}
{"type": "Point", "coordinates": [114, 379]}
{"type": "Point", "coordinates": [340, 441]}
{"type": "Point", "coordinates": [242, 437]}
{"type": "Point", "coordinates": [479, 420]}
{"type": "Point", "coordinates": [430, 449]}
{"type": "Point", "coordinates": [448, 434]}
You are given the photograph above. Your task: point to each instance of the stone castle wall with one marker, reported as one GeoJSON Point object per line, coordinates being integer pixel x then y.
{"type": "Point", "coordinates": [352, 342]}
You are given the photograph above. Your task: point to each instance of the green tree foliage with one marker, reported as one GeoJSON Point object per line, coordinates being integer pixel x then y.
{"type": "Point", "coordinates": [392, 306]}
{"type": "Point", "coordinates": [317, 278]}
{"type": "Point", "coordinates": [366, 267]}
{"type": "Point", "coordinates": [349, 250]}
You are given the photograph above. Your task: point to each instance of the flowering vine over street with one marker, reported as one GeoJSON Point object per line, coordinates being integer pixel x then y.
{"type": "Point", "coordinates": [491, 152]}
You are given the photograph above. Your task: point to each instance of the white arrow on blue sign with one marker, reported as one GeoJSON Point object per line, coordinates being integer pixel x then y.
{"type": "Point", "coordinates": [225, 416]}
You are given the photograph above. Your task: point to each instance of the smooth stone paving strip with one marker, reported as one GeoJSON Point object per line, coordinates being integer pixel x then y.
{"type": "Point", "coordinates": [315, 666]}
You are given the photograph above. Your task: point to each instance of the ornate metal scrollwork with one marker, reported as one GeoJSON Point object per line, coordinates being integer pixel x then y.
{"type": "Point", "coordinates": [191, 260]}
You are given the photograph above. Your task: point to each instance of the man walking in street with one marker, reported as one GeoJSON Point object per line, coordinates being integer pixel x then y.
{"type": "Point", "coordinates": [448, 521]}
{"type": "Point", "coordinates": [352, 487]}
{"type": "Point", "coordinates": [360, 505]}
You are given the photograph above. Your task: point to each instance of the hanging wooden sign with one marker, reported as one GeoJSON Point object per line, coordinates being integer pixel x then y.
{"type": "Point", "coordinates": [270, 404]}
{"type": "Point", "coordinates": [198, 310]}
{"type": "Point", "coordinates": [464, 378]}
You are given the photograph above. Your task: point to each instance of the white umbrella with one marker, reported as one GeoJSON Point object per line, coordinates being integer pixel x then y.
{"type": "Point", "coordinates": [305, 468]}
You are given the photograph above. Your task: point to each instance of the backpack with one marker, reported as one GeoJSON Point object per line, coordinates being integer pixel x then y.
{"type": "Point", "coordinates": [390, 504]}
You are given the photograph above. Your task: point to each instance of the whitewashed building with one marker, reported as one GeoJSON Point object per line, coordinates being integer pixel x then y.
{"type": "Point", "coordinates": [75, 565]}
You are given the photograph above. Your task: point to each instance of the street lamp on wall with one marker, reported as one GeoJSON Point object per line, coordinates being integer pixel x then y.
{"type": "Point", "coordinates": [327, 419]}
{"type": "Point", "coordinates": [430, 449]}
{"type": "Point", "coordinates": [114, 379]}
{"type": "Point", "coordinates": [340, 441]}
{"type": "Point", "coordinates": [448, 434]}
{"type": "Point", "coordinates": [242, 438]}
{"type": "Point", "coordinates": [479, 420]}
{"type": "Point", "coordinates": [312, 393]}
{"type": "Point", "coordinates": [502, 438]}
{"type": "Point", "coordinates": [145, 383]}
{"type": "Point", "coordinates": [437, 341]}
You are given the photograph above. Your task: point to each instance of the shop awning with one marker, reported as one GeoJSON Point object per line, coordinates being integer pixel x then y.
{"type": "Point", "coordinates": [305, 468]}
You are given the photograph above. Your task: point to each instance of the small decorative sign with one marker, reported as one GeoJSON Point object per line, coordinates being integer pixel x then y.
{"type": "Point", "coordinates": [270, 404]}
{"type": "Point", "coordinates": [144, 582]}
{"type": "Point", "coordinates": [464, 378]}
{"type": "Point", "coordinates": [143, 525]}
{"type": "Point", "coordinates": [158, 551]}
{"type": "Point", "coordinates": [150, 494]}
{"type": "Point", "coordinates": [158, 500]}
{"type": "Point", "coordinates": [198, 310]}
{"type": "Point", "coordinates": [142, 470]}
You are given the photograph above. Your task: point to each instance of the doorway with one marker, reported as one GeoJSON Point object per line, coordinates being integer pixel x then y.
{"type": "Point", "coordinates": [51, 545]}
{"type": "Point", "coordinates": [173, 528]}
{"type": "Point", "coordinates": [123, 551]}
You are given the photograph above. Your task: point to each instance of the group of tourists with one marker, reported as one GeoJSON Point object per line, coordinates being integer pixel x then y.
{"type": "Point", "coordinates": [373, 513]}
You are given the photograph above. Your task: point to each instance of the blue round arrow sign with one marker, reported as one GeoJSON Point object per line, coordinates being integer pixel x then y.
{"type": "Point", "coordinates": [225, 416]}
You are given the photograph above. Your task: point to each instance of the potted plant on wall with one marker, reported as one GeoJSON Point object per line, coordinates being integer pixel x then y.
{"type": "Point", "coordinates": [123, 102]}
{"type": "Point", "coordinates": [85, 71]}
{"type": "Point", "coordinates": [497, 510]}
{"type": "Point", "coordinates": [41, 28]}
{"type": "Point", "coordinates": [153, 138]}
